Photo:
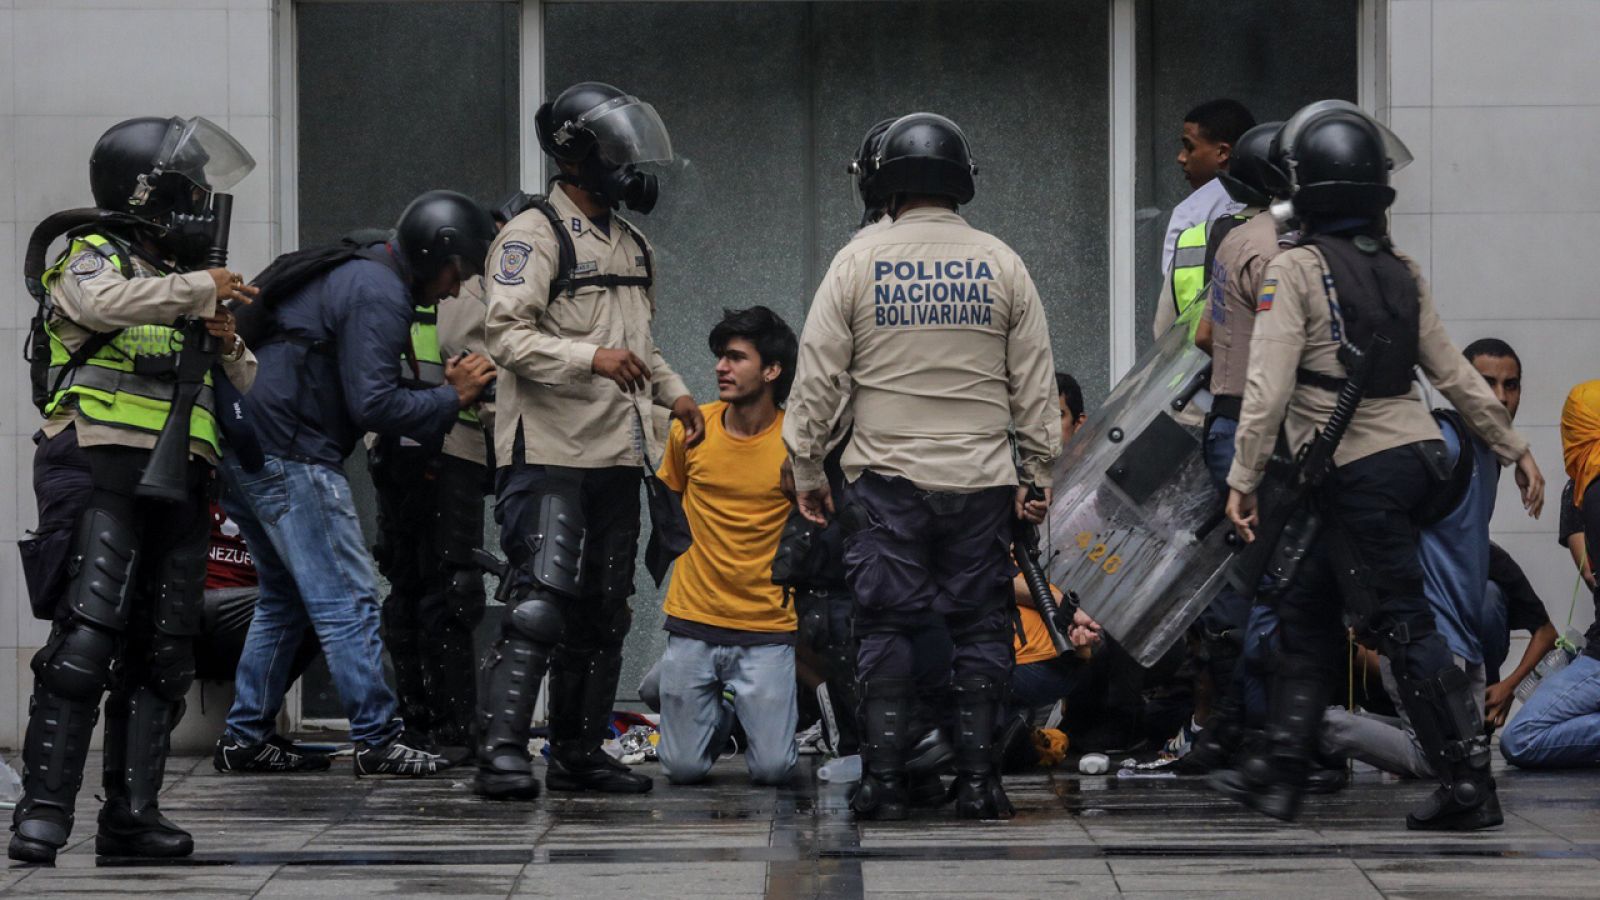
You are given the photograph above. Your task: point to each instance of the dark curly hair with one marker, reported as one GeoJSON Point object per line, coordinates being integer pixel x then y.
{"type": "Point", "coordinates": [774, 340]}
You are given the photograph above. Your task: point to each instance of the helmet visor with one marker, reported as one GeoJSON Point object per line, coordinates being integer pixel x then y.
{"type": "Point", "coordinates": [202, 152]}
{"type": "Point", "coordinates": [1399, 155]}
{"type": "Point", "coordinates": [627, 131]}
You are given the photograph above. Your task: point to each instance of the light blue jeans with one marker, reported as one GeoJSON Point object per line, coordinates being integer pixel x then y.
{"type": "Point", "coordinates": [693, 675]}
{"type": "Point", "coordinates": [299, 521]}
{"type": "Point", "coordinates": [1559, 726]}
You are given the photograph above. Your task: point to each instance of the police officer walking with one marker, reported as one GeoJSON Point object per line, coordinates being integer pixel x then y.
{"type": "Point", "coordinates": [1320, 306]}
{"type": "Point", "coordinates": [430, 519]}
{"type": "Point", "coordinates": [125, 598]}
{"type": "Point", "coordinates": [943, 336]}
{"type": "Point", "coordinates": [571, 292]}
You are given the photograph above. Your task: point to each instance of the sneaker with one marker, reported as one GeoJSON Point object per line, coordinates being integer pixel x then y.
{"type": "Point", "coordinates": [275, 754]}
{"type": "Point", "coordinates": [1181, 743]}
{"type": "Point", "coordinates": [399, 757]}
{"type": "Point", "coordinates": [810, 741]}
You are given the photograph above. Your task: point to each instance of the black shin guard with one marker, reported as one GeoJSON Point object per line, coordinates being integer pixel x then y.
{"type": "Point", "coordinates": [885, 718]}
{"type": "Point", "coordinates": [1450, 729]}
{"type": "Point", "coordinates": [138, 740]}
{"type": "Point", "coordinates": [1272, 780]}
{"type": "Point", "coordinates": [978, 793]}
{"type": "Point", "coordinates": [512, 672]}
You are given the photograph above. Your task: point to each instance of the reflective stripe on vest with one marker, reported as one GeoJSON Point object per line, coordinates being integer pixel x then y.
{"type": "Point", "coordinates": [1189, 274]}
{"type": "Point", "coordinates": [107, 389]}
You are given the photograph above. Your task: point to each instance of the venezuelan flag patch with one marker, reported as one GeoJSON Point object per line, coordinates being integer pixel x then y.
{"type": "Point", "coordinates": [1269, 292]}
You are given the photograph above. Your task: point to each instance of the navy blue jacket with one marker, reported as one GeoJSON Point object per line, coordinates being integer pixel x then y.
{"type": "Point", "coordinates": [314, 404]}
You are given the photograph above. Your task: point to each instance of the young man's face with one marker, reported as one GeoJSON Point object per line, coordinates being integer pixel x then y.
{"type": "Point", "coordinates": [1201, 158]}
{"type": "Point", "coordinates": [443, 286]}
{"type": "Point", "coordinates": [741, 378]}
{"type": "Point", "coordinates": [1505, 379]}
{"type": "Point", "coordinates": [1069, 423]}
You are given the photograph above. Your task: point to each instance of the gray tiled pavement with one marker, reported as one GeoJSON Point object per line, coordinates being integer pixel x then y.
{"type": "Point", "coordinates": [329, 835]}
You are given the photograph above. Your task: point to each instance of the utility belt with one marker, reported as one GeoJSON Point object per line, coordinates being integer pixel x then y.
{"type": "Point", "coordinates": [1226, 406]}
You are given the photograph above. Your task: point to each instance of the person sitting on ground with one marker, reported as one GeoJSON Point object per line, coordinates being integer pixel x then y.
{"type": "Point", "coordinates": [728, 627]}
{"type": "Point", "coordinates": [1559, 725]}
{"type": "Point", "coordinates": [1455, 564]}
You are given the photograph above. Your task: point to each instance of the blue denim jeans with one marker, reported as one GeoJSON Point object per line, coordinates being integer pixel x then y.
{"type": "Point", "coordinates": [1559, 726]}
{"type": "Point", "coordinates": [299, 521]}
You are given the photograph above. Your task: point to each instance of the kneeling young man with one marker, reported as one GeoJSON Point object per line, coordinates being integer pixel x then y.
{"type": "Point", "coordinates": [728, 627]}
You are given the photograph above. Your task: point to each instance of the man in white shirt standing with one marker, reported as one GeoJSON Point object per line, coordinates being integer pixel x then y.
{"type": "Point", "coordinates": [1209, 132]}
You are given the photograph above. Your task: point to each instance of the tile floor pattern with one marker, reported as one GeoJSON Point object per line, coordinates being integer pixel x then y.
{"type": "Point", "coordinates": [331, 836]}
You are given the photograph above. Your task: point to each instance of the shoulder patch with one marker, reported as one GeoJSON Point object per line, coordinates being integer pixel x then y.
{"type": "Point", "coordinates": [87, 265]}
{"type": "Point", "coordinates": [513, 259]}
{"type": "Point", "coordinates": [1269, 292]}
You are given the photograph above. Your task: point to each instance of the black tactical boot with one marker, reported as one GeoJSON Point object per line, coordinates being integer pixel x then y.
{"type": "Point", "coordinates": [512, 671]}
{"type": "Point", "coordinates": [582, 688]}
{"type": "Point", "coordinates": [881, 794]}
{"type": "Point", "coordinates": [53, 754]}
{"type": "Point", "coordinates": [979, 794]}
{"type": "Point", "coordinates": [1272, 780]}
{"type": "Point", "coordinates": [1450, 729]}
{"type": "Point", "coordinates": [137, 740]}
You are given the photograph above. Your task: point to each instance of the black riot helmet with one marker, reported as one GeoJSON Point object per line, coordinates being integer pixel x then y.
{"type": "Point", "coordinates": [1337, 161]}
{"type": "Point", "coordinates": [440, 227]}
{"type": "Point", "coordinates": [1247, 178]}
{"type": "Point", "coordinates": [163, 173]}
{"type": "Point", "coordinates": [925, 153]}
{"type": "Point", "coordinates": [865, 167]}
{"type": "Point", "coordinates": [606, 135]}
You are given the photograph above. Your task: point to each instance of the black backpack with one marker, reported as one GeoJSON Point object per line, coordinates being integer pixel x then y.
{"type": "Point", "coordinates": [257, 323]}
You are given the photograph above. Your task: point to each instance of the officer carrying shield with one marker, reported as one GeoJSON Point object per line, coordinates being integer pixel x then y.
{"type": "Point", "coordinates": [943, 336]}
{"type": "Point", "coordinates": [1320, 307]}
{"type": "Point", "coordinates": [571, 293]}
{"type": "Point", "coordinates": [126, 603]}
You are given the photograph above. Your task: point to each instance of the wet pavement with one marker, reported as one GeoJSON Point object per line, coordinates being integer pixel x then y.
{"type": "Point", "coordinates": [330, 835]}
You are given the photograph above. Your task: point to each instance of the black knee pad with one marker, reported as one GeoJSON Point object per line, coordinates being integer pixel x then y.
{"type": "Point", "coordinates": [613, 623]}
{"type": "Point", "coordinates": [557, 550]}
{"type": "Point", "coordinates": [171, 667]}
{"type": "Point", "coordinates": [76, 663]}
{"type": "Point", "coordinates": [618, 550]}
{"type": "Point", "coordinates": [464, 597]}
{"type": "Point", "coordinates": [537, 619]}
{"type": "Point", "coordinates": [104, 554]}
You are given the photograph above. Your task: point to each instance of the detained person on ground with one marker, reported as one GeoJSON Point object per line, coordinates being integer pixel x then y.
{"type": "Point", "coordinates": [730, 632]}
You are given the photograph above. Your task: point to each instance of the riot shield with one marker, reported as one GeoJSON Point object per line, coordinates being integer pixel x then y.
{"type": "Point", "coordinates": [1136, 527]}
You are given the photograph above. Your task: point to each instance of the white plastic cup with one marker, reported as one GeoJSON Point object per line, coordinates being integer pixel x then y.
{"type": "Point", "coordinates": [1094, 764]}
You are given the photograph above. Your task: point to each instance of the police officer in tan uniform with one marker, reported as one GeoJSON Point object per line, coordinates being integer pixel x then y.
{"type": "Point", "coordinates": [1320, 305]}
{"type": "Point", "coordinates": [571, 292]}
{"type": "Point", "coordinates": [123, 573]}
{"type": "Point", "coordinates": [943, 336]}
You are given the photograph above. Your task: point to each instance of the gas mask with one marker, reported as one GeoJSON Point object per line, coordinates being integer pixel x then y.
{"type": "Point", "coordinates": [620, 185]}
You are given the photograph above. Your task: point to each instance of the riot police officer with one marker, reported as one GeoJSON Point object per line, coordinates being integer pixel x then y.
{"type": "Point", "coordinates": [1321, 306]}
{"type": "Point", "coordinates": [125, 590]}
{"type": "Point", "coordinates": [924, 315]}
{"type": "Point", "coordinates": [430, 519]}
{"type": "Point", "coordinates": [571, 293]}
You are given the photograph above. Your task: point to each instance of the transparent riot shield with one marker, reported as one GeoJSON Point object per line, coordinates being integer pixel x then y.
{"type": "Point", "coordinates": [1136, 527]}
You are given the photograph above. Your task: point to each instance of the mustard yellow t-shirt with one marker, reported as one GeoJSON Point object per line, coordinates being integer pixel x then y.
{"type": "Point", "coordinates": [1037, 646]}
{"type": "Point", "coordinates": [736, 513]}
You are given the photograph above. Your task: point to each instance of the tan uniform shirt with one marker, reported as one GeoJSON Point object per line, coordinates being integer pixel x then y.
{"type": "Point", "coordinates": [91, 295]}
{"type": "Point", "coordinates": [1294, 328]}
{"type": "Point", "coordinates": [942, 333]}
{"type": "Point", "coordinates": [461, 329]}
{"type": "Point", "coordinates": [1236, 273]}
{"type": "Point", "coordinates": [568, 415]}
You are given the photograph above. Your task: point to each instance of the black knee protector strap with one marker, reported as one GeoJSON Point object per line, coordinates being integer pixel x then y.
{"type": "Point", "coordinates": [873, 621]}
{"type": "Point", "coordinates": [171, 667]}
{"type": "Point", "coordinates": [536, 619]}
{"type": "Point", "coordinates": [977, 628]}
{"type": "Point", "coordinates": [1393, 636]}
{"type": "Point", "coordinates": [460, 512]}
{"type": "Point", "coordinates": [557, 548]}
{"type": "Point", "coordinates": [76, 662]}
{"type": "Point", "coordinates": [618, 550]}
{"type": "Point", "coordinates": [181, 595]}
{"type": "Point", "coordinates": [101, 569]}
